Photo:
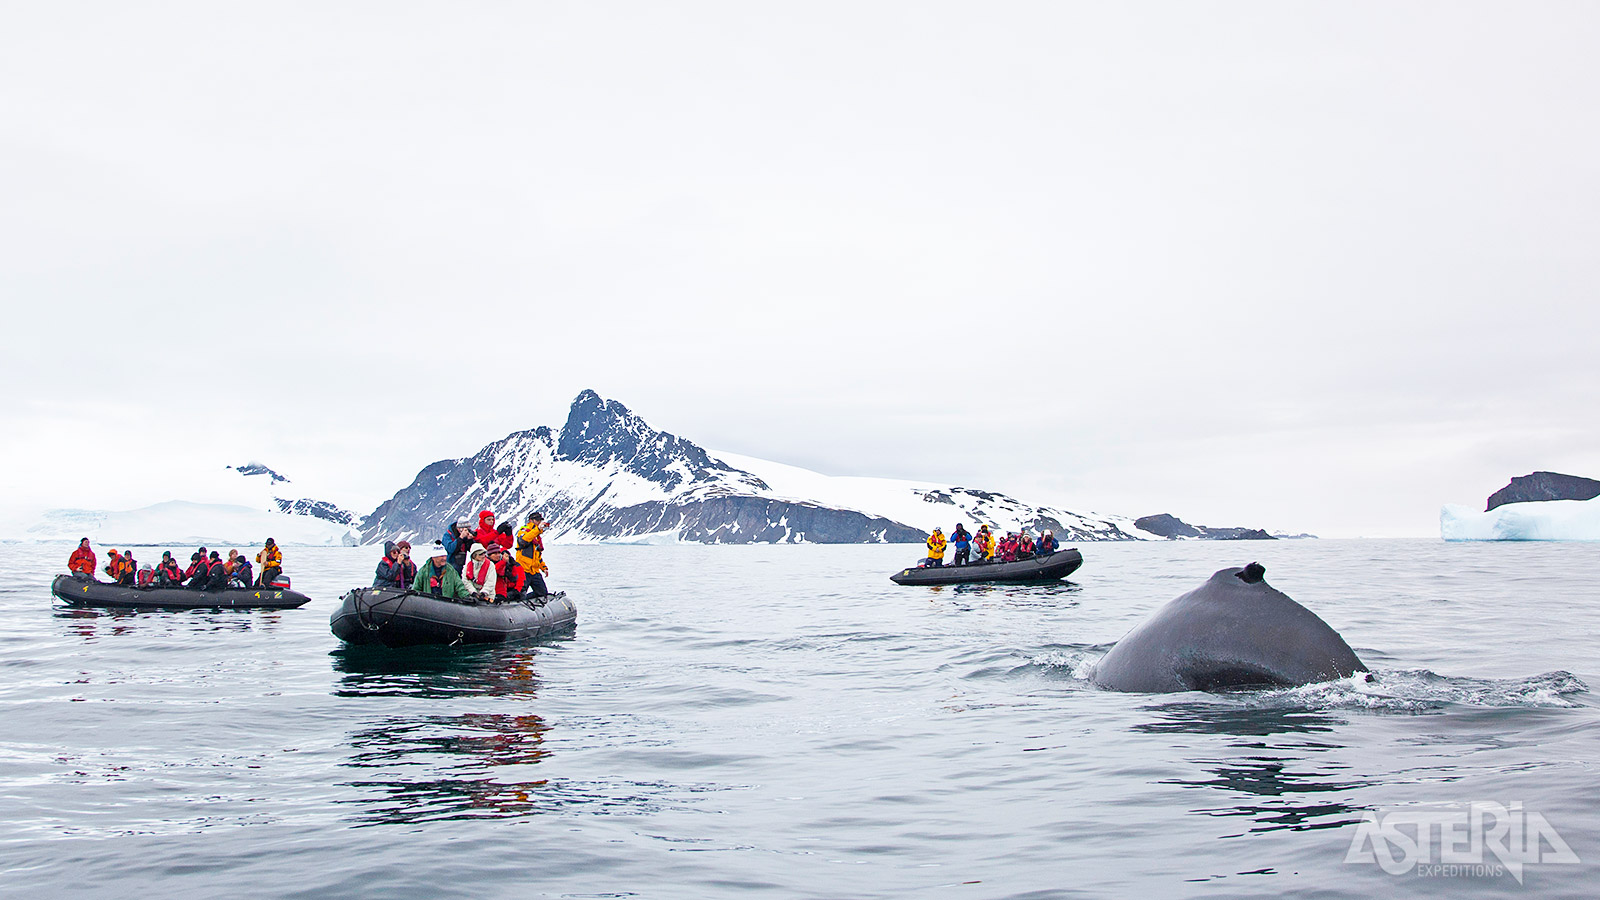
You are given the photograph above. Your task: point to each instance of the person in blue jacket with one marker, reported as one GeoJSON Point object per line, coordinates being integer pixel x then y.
{"type": "Point", "coordinates": [395, 570]}
{"type": "Point", "coordinates": [1047, 544]}
{"type": "Point", "coordinates": [457, 540]}
{"type": "Point", "coordinates": [962, 541]}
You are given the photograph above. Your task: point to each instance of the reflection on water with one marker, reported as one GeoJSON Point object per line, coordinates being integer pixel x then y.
{"type": "Point", "coordinates": [91, 624]}
{"type": "Point", "coordinates": [969, 597]}
{"type": "Point", "coordinates": [444, 767]}
{"type": "Point", "coordinates": [435, 672]}
{"type": "Point", "coordinates": [456, 761]}
{"type": "Point", "coordinates": [1276, 769]}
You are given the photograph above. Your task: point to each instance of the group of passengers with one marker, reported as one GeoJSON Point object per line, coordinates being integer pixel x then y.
{"type": "Point", "coordinates": [207, 570]}
{"type": "Point", "coordinates": [472, 564]}
{"type": "Point", "coordinates": [1016, 545]}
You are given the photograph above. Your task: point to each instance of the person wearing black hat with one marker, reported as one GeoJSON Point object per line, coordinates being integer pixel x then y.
{"type": "Point", "coordinates": [82, 561]}
{"type": "Point", "coordinates": [217, 578]}
{"type": "Point", "coordinates": [270, 559]}
{"type": "Point", "coordinates": [167, 572]}
{"type": "Point", "coordinates": [530, 554]}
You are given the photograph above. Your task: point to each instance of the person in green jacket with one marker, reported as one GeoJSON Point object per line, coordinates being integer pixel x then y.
{"type": "Point", "coordinates": [438, 578]}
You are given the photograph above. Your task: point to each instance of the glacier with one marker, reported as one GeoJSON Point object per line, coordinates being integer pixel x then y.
{"type": "Point", "coordinates": [227, 505]}
{"type": "Point", "coordinates": [1539, 520]}
{"type": "Point", "coordinates": [183, 523]}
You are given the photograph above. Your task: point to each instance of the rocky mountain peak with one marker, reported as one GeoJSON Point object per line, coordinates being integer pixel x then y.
{"type": "Point", "coordinates": [604, 433]}
{"type": "Point", "coordinates": [255, 468]}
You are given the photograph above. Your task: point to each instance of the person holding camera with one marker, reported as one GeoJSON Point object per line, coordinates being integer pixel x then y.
{"type": "Point", "coordinates": [395, 570]}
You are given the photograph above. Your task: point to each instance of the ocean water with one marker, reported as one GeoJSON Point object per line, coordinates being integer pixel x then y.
{"type": "Point", "coordinates": [784, 722]}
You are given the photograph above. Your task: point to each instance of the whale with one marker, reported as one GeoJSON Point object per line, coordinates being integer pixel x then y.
{"type": "Point", "coordinates": [1235, 631]}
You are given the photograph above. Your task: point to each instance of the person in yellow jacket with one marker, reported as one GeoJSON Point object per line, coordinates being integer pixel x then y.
{"type": "Point", "coordinates": [270, 559]}
{"type": "Point", "coordinates": [530, 554]}
{"type": "Point", "coordinates": [936, 548]}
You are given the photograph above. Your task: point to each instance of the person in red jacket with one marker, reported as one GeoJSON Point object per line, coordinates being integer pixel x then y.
{"type": "Point", "coordinates": [167, 572]}
{"type": "Point", "coordinates": [199, 569]}
{"type": "Point", "coordinates": [81, 563]}
{"type": "Point", "coordinates": [509, 579]}
{"type": "Point", "coordinates": [486, 533]}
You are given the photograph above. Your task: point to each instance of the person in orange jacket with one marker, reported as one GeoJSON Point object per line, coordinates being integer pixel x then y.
{"type": "Point", "coordinates": [82, 562]}
{"type": "Point", "coordinates": [118, 567]}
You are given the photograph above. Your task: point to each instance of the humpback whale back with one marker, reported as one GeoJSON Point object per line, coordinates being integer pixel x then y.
{"type": "Point", "coordinates": [1233, 631]}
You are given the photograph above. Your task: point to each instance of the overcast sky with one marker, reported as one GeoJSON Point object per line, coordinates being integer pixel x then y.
{"type": "Point", "coordinates": [1300, 266]}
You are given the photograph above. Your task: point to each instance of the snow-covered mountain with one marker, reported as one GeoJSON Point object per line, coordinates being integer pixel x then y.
{"type": "Point", "coordinates": [608, 476]}
{"type": "Point", "coordinates": [229, 505]}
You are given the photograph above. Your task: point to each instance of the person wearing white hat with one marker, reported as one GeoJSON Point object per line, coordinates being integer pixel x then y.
{"type": "Point", "coordinates": [479, 574]}
{"type": "Point", "coordinates": [436, 577]}
{"type": "Point", "coordinates": [457, 539]}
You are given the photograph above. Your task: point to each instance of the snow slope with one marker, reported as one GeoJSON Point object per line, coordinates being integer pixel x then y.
{"type": "Point", "coordinates": [1543, 520]}
{"type": "Point", "coordinates": [927, 506]}
{"type": "Point", "coordinates": [226, 504]}
{"type": "Point", "coordinates": [183, 523]}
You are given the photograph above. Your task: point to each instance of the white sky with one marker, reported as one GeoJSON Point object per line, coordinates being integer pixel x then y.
{"type": "Point", "coordinates": [1300, 266]}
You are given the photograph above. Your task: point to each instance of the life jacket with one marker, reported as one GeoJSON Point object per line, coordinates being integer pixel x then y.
{"type": "Point", "coordinates": [269, 557]}
{"type": "Point", "coordinates": [477, 572]}
{"type": "Point", "coordinates": [435, 580]}
{"type": "Point", "coordinates": [146, 575]}
{"type": "Point", "coordinates": [508, 577]}
{"type": "Point", "coordinates": [82, 560]}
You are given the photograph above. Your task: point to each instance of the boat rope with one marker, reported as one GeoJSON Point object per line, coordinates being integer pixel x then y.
{"type": "Point", "coordinates": [365, 609]}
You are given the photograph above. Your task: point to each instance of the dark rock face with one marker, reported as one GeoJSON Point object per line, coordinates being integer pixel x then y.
{"type": "Point", "coordinates": [599, 432]}
{"type": "Point", "coordinates": [757, 520]}
{"type": "Point", "coordinates": [1166, 525]}
{"type": "Point", "coordinates": [305, 506]}
{"type": "Point", "coordinates": [1170, 527]}
{"type": "Point", "coordinates": [320, 509]}
{"type": "Point", "coordinates": [259, 469]}
{"type": "Point", "coordinates": [1544, 486]}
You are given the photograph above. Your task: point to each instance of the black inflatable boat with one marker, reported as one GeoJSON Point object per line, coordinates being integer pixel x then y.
{"type": "Point", "coordinates": [1059, 564]}
{"type": "Point", "coordinates": [101, 593]}
{"type": "Point", "coordinates": [396, 618]}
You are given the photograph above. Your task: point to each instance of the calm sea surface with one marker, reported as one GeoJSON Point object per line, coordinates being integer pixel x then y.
{"type": "Point", "coordinates": [783, 722]}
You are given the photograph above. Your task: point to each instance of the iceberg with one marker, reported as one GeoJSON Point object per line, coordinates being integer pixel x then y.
{"type": "Point", "coordinates": [1543, 520]}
